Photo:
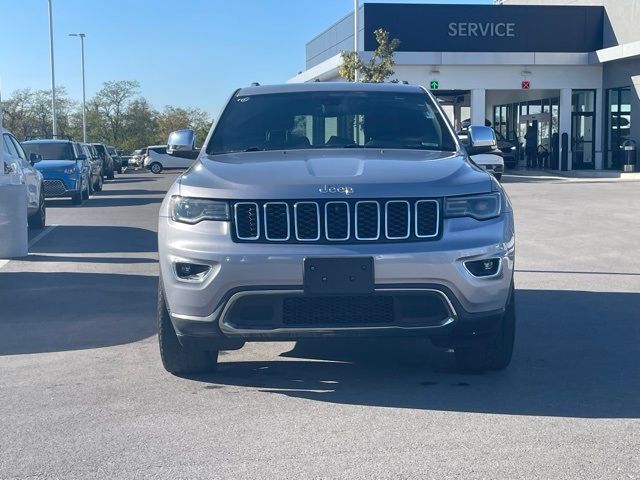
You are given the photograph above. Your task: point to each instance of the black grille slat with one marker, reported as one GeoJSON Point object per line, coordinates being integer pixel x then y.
{"type": "Point", "coordinates": [247, 226]}
{"type": "Point", "coordinates": [307, 221]}
{"type": "Point", "coordinates": [397, 219]}
{"type": "Point", "coordinates": [276, 221]}
{"type": "Point", "coordinates": [426, 218]}
{"type": "Point", "coordinates": [367, 220]}
{"type": "Point", "coordinates": [337, 220]}
{"type": "Point", "coordinates": [338, 310]}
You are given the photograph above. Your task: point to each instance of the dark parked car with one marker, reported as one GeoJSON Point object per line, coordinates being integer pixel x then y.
{"type": "Point", "coordinates": [509, 149]}
{"type": "Point", "coordinates": [118, 164]}
{"type": "Point", "coordinates": [109, 164]}
{"type": "Point", "coordinates": [97, 169]}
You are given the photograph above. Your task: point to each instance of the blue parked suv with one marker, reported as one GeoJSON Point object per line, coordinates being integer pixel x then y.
{"type": "Point", "coordinates": [64, 166]}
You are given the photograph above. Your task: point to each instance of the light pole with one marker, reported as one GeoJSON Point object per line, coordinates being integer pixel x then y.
{"type": "Point", "coordinates": [356, 74]}
{"type": "Point", "coordinates": [53, 74]}
{"type": "Point", "coordinates": [84, 109]}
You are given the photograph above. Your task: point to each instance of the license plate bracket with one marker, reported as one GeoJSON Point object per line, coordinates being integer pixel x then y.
{"type": "Point", "coordinates": [339, 275]}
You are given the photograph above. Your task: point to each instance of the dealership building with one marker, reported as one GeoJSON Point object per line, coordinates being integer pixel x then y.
{"type": "Point", "coordinates": [569, 68]}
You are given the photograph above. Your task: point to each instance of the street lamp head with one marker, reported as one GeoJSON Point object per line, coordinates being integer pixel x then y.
{"type": "Point", "coordinates": [77, 35]}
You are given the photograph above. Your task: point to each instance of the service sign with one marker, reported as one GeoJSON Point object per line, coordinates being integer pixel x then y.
{"type": "Point", "coordinates": [486, 28]}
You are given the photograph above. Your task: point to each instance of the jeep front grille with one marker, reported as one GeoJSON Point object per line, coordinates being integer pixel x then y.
{"type": "Point", "coordinates": [336, 221]}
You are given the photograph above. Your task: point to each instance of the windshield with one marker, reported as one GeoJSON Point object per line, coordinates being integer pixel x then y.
{"type": "Point", "coordinates": [50, 151]}
{"type": "Point", "coordinates": [314, 120]}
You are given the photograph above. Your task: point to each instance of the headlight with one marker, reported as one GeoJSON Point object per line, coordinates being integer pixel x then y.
{"type": "Point", "coordinates": [194, 210]}
{"type": "Point", "coordinates": [480, 207]}
{"type": "Point", "coordinates": [70, 170]}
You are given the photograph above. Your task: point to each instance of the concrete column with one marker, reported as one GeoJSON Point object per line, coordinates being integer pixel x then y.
{"type": "Point", "coordinates": [478, 106]}
{"type": "Point", "coordinates": [565, 119]}
{"type": "Point", "coordinates": [600, 113]}
{"type": "Point", "coordinates": [457, 114]}
{"type": "Point", "coordinates": [635, 108]}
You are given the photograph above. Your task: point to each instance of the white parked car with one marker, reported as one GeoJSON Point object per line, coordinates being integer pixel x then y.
{"type": "Point", "coordinates": [14, 161]}
{"type": "Point", "coordinates": [158, 159]}
{"type": "Point", "coordinates": [489, 158]}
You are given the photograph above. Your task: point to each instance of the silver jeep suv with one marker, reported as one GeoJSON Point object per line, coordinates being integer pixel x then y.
{"type": "Point", "coordinates": [331, 209]}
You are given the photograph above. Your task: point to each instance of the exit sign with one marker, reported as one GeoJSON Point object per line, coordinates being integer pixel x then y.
{"type": "Point", "coordinates": [435, 85]}
{"type": "Point", "coordinates": [526, 84]}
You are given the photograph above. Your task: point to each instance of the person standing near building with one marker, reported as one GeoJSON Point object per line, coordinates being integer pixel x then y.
{"type": "Point", "coordinates": [531, 146]}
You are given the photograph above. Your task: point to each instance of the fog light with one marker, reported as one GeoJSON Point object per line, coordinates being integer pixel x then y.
{"type": "Point", "coordinates": [191, 271]}
{"type": "Point", "coordinates": [483, 268]}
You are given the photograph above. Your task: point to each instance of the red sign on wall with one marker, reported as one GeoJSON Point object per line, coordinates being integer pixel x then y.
{"type": "Point", "coordinates": [526, 84]}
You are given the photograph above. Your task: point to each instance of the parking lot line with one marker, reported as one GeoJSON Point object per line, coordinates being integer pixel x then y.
{"type": "Point", "coordinates": [41, 235]}
{"type": "Point", "coordinates": [33, 241]}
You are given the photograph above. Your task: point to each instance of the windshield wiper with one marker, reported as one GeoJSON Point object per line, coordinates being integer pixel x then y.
{"type": "Point", "coordinates": [252, 149]}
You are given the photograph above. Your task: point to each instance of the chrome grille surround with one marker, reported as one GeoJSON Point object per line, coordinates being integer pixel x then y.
{"type": "Point", "coordinates": [328, 224]}
{"type": "Point", "coordinates": [387, 222]}
{"type": "Point", "coordinates": [236, 206]}
{"type": "Point", "coordinates": [336, 221]}
{"type": "Point", "coordinates": [416, 223]}
{"type": "Point", "coordinates": [266, 212]}
{"type": "Point", "coordinates": [297, 222]}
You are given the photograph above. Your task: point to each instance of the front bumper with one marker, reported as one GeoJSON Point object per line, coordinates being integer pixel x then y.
{"type": "Point", "coordinates": [60, 184]}
{"type": "Point", "coordinates": [201, 309]}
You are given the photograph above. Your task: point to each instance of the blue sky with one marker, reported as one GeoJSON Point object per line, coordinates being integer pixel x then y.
{"type": "Point", "coordinates": [216, 45]}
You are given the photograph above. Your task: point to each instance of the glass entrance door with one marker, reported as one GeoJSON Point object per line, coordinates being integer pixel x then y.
{"type": "Point", "coordinates": [583, 129]}
{"type": "Point", "coordinates": [583, 146]}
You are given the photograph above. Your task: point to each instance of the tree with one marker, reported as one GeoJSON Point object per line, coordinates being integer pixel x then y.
{"type": "Point", "coordinates": [116, 115]}
{"type": "Point", "coordinates": [112, 101]}
{"type": "Point", "coordinates": [141, 126]}
{"type": "Point", "coordinates": [379, 67]}
{"type": "Point", "coordinates": [176, 118]}
{"type": "Point", "coordinates": [28, 113]}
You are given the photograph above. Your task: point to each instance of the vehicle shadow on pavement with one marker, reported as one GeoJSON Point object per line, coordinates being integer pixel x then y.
{"type": "Point", "coordinates": [51, 312]}
{"type": "Point", "coordinates": [75, 239]}
{"type": "Point", "coordinates": [136, 179]}
{"type": "Point", "coordinates": [107, 193]}
{"type": "Point", "coordinates": [577, 355]}
{"type": "Point", "coordinates": [100, 201]}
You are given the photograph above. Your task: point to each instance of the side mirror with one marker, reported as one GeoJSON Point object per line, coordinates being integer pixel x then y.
{"type": "Point", "coordinates": [34, 158]}
{"type": "Point", "coordinates": [81, 157]}
{"type": "Point", "coordinates": [181, 141]}
{"type": "Point", "coordinates": [481, 139]}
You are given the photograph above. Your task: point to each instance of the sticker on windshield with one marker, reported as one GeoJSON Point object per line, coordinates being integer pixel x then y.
{"type": "Point", "coordinates": [243, 99]}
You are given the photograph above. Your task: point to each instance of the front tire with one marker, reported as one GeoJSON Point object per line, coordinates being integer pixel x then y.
{"type": "Point", "coordinates": [99, 182]}
{"type": "Point", "coordinates": [39, 219]}
{"type": "Point", "coordinates": [155, 167]}
{"type": "Point", "coordinates": [176, 358]}
{"type": "Point", "coordinates": [494, 353]}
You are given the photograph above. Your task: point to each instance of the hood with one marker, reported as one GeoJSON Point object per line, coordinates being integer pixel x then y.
{"type": "Point", "coordinates": [366, 173]}
{"type": "Point", "coordinates": [54, 164]}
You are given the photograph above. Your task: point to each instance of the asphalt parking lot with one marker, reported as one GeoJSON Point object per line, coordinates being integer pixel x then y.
{"type": "Point", "coordinates": [83, 393]}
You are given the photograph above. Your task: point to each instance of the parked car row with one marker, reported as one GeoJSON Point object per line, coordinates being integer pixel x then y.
{"type": "Point", "coordinates": [57, 169]}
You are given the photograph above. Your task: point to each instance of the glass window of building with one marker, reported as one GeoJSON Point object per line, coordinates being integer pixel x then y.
{"type": "Point", "coordinates": [618, 126]}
